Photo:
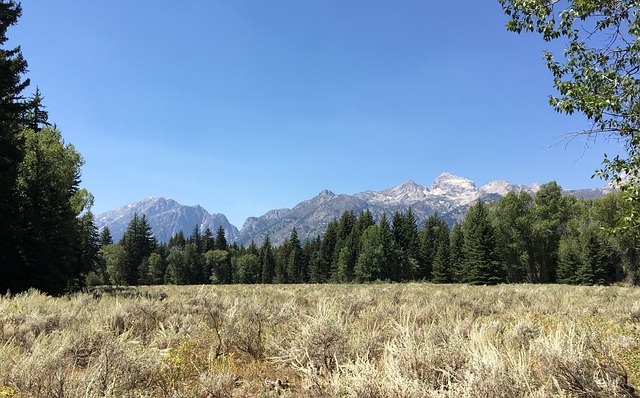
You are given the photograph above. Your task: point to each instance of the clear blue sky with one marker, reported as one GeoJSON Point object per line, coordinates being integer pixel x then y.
{"type": "Point", "coordinates": [249, 105]}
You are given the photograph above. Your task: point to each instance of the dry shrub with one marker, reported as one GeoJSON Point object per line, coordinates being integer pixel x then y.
{"type": "Point", "coordinates": [416, 340]}
{"type": "Point", "coordinates": [119, 369]}
{"type": "Point", "coordinates": [42, 371]}
{"type": "Point", "coordinates": [575, 366]}
{"type": "Point", "coordinates": [247, 324]}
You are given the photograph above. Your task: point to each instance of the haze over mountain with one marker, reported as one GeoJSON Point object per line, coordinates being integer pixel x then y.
{"type": "Point", "coordinates": [450, 196]}
{"type": "Point", "coordinates": [166, 217]}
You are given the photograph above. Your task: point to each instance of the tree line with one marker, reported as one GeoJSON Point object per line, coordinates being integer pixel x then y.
{"type": "Point", "coordinates": [522, 238]}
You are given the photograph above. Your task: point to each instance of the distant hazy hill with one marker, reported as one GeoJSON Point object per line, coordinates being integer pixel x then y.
{"type": "Point", "coordinates": [166, 217]}
{"type": "Point", "coordinates": [450, 196]}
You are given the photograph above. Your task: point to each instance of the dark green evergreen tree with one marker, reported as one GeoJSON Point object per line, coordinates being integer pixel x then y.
{"type": "Point", "coordinates": [267, 261]}
{"type": "Point", "coordinates": [195, 262]}
{"type": "Point", "coordinates": [482, 262]}
{"type": "Point", "coordinates": [196, 239]}
{"type": "Point", "coordinates": [345, 227]}
{"type": "Point", "coordinates": [392, 269]}
{"type": "Point", "coordinates": [296, 271]}
{"type": "Point", "coordinates": [371, 261]}
{"type": "Point", "coordinates": [281, 263]}
{"type": "Point", "coordinates": [89, 245]}
{"type": "Point", "coordinates": [429, 239]}
{"type": "Point", "coordinates": [405, 234]}
{"type": "Point", "coordinates": [177, 241]}
{"type": "Point", "coordinates": [456, 254]}
{"type": "Point", "coordinates": [13, 274]}
{"type": "Point", "coordinates": [442, 271]}
{"type": "Point", "coordinates": [364, 221]}
{"type": "Point", "coordinates": [138, 243]}
{"type": "Point", "coordinates": [311, 253]}
{"type": "Point", "coordinates": [105, 237]}
{"type": "Point", "coordinates": [221, 239]}
{"type": "Point", "coordinates": [208, 241]}
{"type": "Point", "coordinates": [322, 272]}
{"type": "Point", "coordinates": [37, 117]}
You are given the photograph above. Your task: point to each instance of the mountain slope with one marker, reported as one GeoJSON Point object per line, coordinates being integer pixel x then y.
{"type": "Point", "coordinates": [450, 196]}
{"type": "Point", "coordinates": [166, 217]}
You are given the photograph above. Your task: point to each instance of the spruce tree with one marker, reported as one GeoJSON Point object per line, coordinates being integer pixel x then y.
{"type": "Point", "coordinates": [221, 239]}
{"type": "Point", "coordinates": [405, 234]}
{"type": "Point", "coordinates": [196, 239]}
{"type": "Point", "coordinates": [429, 239]}
{"type": "Point", "coordinates": [37, 117]}
{"type": "Point", "coordinates": [392, 269]}
{"type": "Point", "coordinates": [267, 261]}
{"type": "Point", "coordinates": [296, 272]}
{"type": "Point", "coordinates": [371, 261]}
{"type": "Point", "coordinates": [482, 262]}
{"type": "Point", "coordinates": [13, 274]}
{"type": "Point", "coordinates": [89, 244]}
{"type": "Point", "coordinates": [177, 241]}
{"type": "Point", "coordinates": [327, 249]}
{"type": "Point", "coordinates": [105, 237]}
{"type": "Point", "coordinates": [208, 241]}
{"type": "Point", "coordinates": [442, 271]}
{"type": "Point", "coordinates": [456, 254]}
{"type": "Point", "coordinates": [138, 243]}
{"type": "Point", "coordinates": [570, 259]}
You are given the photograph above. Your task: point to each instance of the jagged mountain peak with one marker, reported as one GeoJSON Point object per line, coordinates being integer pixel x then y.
{"type": "Point", "coordinates": [326, 193]}
{"type": "Point", "coordinates": [166, 217]}
{"type": "Point", "coordinates": [450, 196]}
{"type": "Point", "coordinates": [500, 187]}
{"type": "Point", "coordinates": [447, 184]}
{"type": "Point", "coordinates": [407, 191]}
{"type": "Point", "coordinates": [410, 184]}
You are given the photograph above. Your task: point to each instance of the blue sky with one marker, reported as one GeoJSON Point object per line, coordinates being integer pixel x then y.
{"type": "Point", "coordinates": [246, 106]}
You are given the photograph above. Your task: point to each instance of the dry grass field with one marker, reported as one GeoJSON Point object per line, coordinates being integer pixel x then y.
{"type": "Point", "coordinates": [413, 340]}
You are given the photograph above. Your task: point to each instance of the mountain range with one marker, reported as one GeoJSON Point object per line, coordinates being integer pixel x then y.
{"type": "Point", "coordinates": [450, 196]}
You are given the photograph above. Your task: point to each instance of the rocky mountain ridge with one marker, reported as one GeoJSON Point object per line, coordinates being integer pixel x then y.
{"type": "Point", "coordinates": [449, 196]}
{"type": "Point", "coordinates": [166, 217]}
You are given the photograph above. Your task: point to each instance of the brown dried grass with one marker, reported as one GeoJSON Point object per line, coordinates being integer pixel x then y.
{"type": "Point", "coordinates": [415, 340]}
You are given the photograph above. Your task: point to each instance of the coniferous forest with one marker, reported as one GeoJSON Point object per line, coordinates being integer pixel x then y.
{"type": "Point", "coordinates": [545, 238]}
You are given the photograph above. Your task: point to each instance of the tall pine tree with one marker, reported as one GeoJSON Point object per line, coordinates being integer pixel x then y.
{"type": "Point", "coordinates": [481, 259]}
{"type": "Point", "coordinates": [12, 109]}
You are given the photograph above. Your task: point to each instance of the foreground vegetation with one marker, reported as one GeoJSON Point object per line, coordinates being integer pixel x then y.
{"type": "Point", "coordinates": [386, 340]}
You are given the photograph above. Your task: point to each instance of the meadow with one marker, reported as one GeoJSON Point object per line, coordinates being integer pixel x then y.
{"type": "Point", "coordinates": [376, 340]}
